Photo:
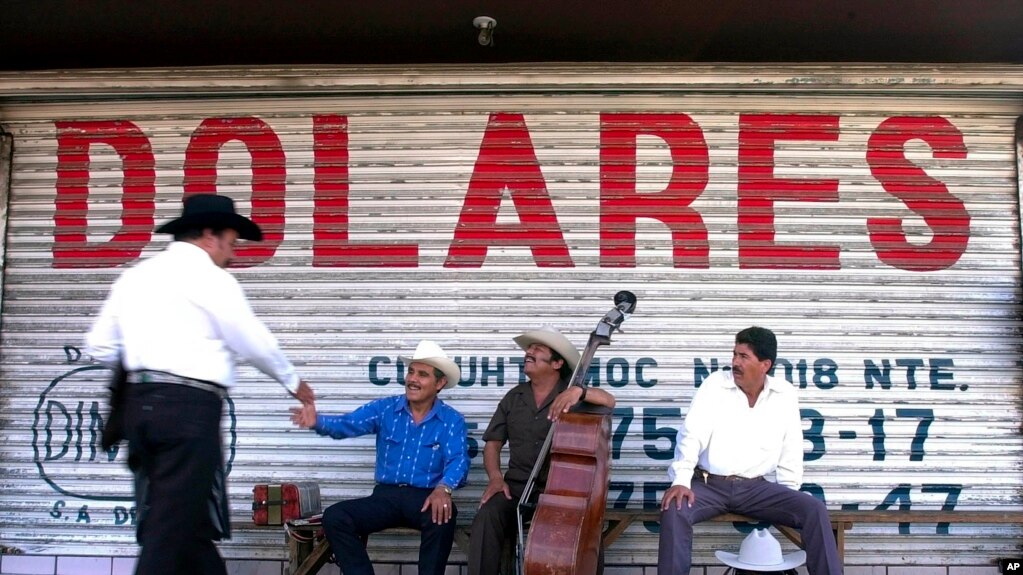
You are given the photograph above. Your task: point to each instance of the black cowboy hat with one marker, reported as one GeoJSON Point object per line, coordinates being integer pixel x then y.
{"type": "Point", "coordinates": [212, 211]}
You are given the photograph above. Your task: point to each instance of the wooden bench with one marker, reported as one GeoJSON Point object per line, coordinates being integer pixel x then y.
{"type": "Point", "coordinates": [618, 520]}
{"type": "Point", "coordinates": [306, 558]}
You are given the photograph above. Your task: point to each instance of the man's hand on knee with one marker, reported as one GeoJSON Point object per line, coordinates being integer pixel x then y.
{"type": "Point", "coordinates": [678, 494]}
{"type": "Point", "coordinates": [440, 505]}
{"type": "Point", "coordinates": [493, 488]}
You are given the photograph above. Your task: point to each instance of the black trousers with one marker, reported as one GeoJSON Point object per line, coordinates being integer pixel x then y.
{"type": "Point", "coordinates": [762, 500]}
{"type": "Point", "coordinates": [173, 434]}
{"type": "Point", "coordinates": [348, 525]}
{"type": "Point", "coordinates": [495, 524]}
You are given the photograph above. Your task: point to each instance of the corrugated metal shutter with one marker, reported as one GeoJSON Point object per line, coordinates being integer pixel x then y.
{"type": "Point", "coordinates": [6, 152]}
{"type": "Point", "coordinates": [908, 361]}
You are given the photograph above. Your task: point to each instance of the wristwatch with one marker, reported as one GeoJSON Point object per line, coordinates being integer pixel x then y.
{"type": "Point", "coordinates": [445, 488]}
{"type": "Point", "coordinates": [582, 397]}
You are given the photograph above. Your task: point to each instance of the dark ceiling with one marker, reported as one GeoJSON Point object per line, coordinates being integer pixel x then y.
{"type": "Point", "coordinates": [55, 34]}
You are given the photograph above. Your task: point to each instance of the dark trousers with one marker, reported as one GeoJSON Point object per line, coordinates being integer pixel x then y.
{"type": "Point", "coordinates": [762, 500]}
{"type": "Point", "coordinates": [173, 433]}
{"type": "Point", "coordinates": [348, 525]}
{"type": "Point", "coordinates": [494, 524]}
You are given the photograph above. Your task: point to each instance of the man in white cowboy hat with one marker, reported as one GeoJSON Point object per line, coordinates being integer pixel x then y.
{"type": "Point", "coordinates": [742, 425]}
{"type": "Point", "coordinates": [176, 322]}
{"type": "Point", "coordinates": [522, 420]}
{"type": "Point", "coordinates": [410, 492]}
{"type": "Point", "coordinates": [760, 552]}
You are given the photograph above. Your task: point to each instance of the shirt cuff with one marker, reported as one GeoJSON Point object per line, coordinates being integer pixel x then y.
{"type": "Point", "coordinates": [291, 384]}
{"type": "Point", "coordinates": [687, 483]}
{"type": "Point", "coordinates": [318, 427]}
{"type": "Point", "coordinates": [685, 479]}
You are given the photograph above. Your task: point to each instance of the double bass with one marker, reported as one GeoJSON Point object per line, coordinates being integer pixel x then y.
{"type": "Point", "coordinates": [565, 533]}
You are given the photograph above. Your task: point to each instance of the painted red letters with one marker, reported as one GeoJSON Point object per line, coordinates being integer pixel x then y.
{"type": "Point", "coordinates": [759, 189]}
{"type": "Point", "coordinates": [267, 176]}
{"type": "Point", "coordinates": [71, 249]}
{"type": "Point", "coordinates": [944, 213]}
{"type": "Point", "coordinates": [331, 247]}
{"type": "Point", "coordinates": [507, 161]}
{"type": "Point", "coordinates": [621, 205]}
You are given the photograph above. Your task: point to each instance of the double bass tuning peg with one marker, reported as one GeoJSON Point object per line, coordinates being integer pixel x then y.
{"type": "Point", "coordinates": [625, 301]}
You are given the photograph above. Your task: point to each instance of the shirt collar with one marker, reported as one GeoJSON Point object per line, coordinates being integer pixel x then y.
{"type": "Point", "coordinates": [190, 250]}
{"type": "Point", "coordinates": [770, 383]}
{"type": "Point", "coordinates": [402, 405]}
{"type": "Point", "coordinates": [528, 388]}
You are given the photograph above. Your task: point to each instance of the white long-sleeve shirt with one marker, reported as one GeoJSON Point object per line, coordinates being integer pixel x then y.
{"type": "Point", "coordinates": [179, 312]}
{"type": "Point", "coordinates": [725, 436]}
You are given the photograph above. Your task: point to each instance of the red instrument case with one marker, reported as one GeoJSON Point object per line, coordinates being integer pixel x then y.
{"type": "Point", "coordinates": [278, 503]}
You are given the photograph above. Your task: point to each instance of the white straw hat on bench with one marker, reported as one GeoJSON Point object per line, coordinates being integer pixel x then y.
{"type": "Point", "coordinates": [760, 551]}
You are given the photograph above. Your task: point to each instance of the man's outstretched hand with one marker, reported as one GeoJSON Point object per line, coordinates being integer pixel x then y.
{"type": "Point", "coordinates": [304, 393]}
{"type": "Point", "coordinates": [304, 416]}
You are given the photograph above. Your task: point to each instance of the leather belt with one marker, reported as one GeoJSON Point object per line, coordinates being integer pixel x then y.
{"type": "Point", "coordinates": [153, 376]}
{"type": "Point", "coordinates": [699, 473]}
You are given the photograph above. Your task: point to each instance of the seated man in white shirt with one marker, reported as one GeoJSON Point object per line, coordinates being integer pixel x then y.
{"type": "Point", "coordinates": [741, 426]}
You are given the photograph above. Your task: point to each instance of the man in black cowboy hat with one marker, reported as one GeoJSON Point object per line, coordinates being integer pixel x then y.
{"type": "Point", "coordinates": [176, 322]}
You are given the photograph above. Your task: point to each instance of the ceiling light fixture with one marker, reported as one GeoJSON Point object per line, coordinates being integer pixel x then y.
{"type": "Point", "coordinates": [486, 25]}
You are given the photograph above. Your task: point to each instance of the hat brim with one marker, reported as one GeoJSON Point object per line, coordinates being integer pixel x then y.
{"type": "Point", "coordinates": [448, 367]}
{"type": "Point", "coordinates": [246, 228]}
{"type": "Point", "coordinates": [790, 561]}
{"type": "Point", "coordinates": [555, 341]}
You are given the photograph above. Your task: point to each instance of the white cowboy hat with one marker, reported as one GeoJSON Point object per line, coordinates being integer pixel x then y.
{"type": "Point", "coordinates": [760, 551]}
{"type": "Point", "coordinates": [553, 339]}
{"type": "Point", "coordinates": [430, 353]}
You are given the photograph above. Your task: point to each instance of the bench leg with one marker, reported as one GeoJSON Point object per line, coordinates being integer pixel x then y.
{"type": "Point", "coordinates": [791, 534]}
{"type": "Point", "coordinates": [614, 529]}
{"type": "Point", "coordinates": [297, 552]}
{"type": "Point", "coordinates": [315, 560]}
{"type": "Point", "coordinates": [839, 530]}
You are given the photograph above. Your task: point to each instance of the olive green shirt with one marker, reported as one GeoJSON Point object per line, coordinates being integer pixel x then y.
{"type": "Point", "coordinates": [523, 425]}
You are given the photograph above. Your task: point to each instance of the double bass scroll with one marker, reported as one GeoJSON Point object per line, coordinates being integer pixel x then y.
{"type": "Point", "coordinates": [565, 533]}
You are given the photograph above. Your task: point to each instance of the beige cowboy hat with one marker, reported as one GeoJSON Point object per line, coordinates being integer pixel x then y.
{"type": "Point", "coordinates": [553, 339]}
{"type": "Point", "coordinates": [430, 353]}
{"type": "Point", "coordinates": [760, 551]}
{"type": "Point", "coordinates": [212, 211]}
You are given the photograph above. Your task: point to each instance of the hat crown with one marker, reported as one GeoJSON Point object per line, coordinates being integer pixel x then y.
{"type": "Point", "coordinates": [428, 350]}
{"type": "Point", "coordinates": [430, 353]}
{"type": "Point", "coordinates": [760, 548]}
{"type": "Point", "coordinates": [208, 204]}
{"type": "Point", "coordinates": [202, 211]}
{"type": "Point", "coordinates": [553, 339]}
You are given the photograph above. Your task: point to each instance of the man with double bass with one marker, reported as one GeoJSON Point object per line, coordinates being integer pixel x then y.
{"type": "Point", "coordinates": [523, 419]}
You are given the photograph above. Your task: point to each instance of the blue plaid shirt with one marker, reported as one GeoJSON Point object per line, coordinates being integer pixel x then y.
{"type": "Point", "coordinates": [434, 451]}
